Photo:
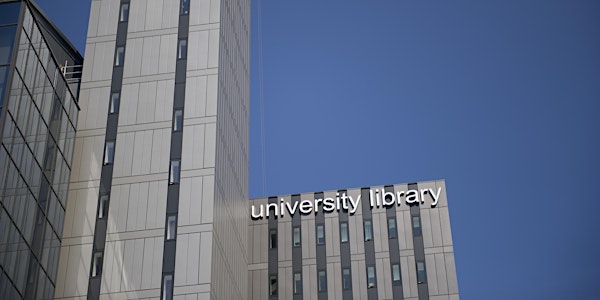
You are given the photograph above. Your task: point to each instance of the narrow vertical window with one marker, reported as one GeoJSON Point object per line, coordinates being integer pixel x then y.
{"type": "Point", "coordinates": [171, 227]}
{"type": "Point", "coordinates": [416, 224]}
{"type": "Point", "coordinates": [97, 264]}
{"type": "Point", "coordinates": [273, 285]}
{"type": "Point", "coordinates": [421, 275]}
{"type": "Point", "coordinates": [396, 273]}
{"type": "Point", "coordinates": [115, 99]}
{"type": "Point", "coordinates": [297, 283]}
{"type": "Point", "coordinates": [185, 7]}
{"type": "Point", "coordinates": [124, 15]}
{"type": "Point", "coordinates": [392, 231]}
{"type": "Point", "coordinates": [109, 153]}
{"type": "Point", "coordinates": [370, 277]}
{"type": "Point", "coordinates": [167, 287]}
{"type": "Point", "coordinates": [273, 239]}
{"type": "Point", "coordinates": [344, 232]}
{"type": "Point", "coordinates": [119, 56]}
{"type": "Point", "coordinates": [174, 176]}
{"type": "Point", "coordinates": [103, 207]}
{"type": "Point", "coordinates": [296, 236]}
{"type": "Point", "coordinates": [320, 234]}
{"type": "Point", "coordinates": [182, 49]}
{"type": "Point", "coordinates": [178, 120]}
{"type": "Point", "coordinates": [322, 281]}
{"type": "Point", "coordinates": [368, 230]}
{"type": "Point", "coordinates": [346, 279]}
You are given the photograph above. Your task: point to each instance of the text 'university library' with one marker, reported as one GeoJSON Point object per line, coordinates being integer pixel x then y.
{"type": "Point", "coordinates": [124, 174]}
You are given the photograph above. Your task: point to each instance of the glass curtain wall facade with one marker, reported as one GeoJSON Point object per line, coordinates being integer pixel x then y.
{"type": "Point", "coordinates": [38, 114]}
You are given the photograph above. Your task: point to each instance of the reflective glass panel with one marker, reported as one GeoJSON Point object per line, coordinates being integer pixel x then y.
{"type": "Point", "coordinates": [9, 13]}
{"type": "Point", "coordinates": [7, 39]}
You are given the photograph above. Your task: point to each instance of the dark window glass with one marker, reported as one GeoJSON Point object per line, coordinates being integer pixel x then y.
{"type": "Point", "coordinates": [322, 281]}
{"type": "Point", "coordinates": [421, 275]}
{"type": "Point", "coordinates": [7, 39]}
{"type": "Point", "coordinates": [344, 232]}
{"type": "Point", "coordinates": [9, 13]}
{"type": "Point", "coordinates": [368, 230]}
{"type": "Point", "coordinates": [103, 207]}
{"type": "Point", "coordinates": [272, 238]}
{"type": "Point", "coordinates": [371, 277]}
{"type": "Point", "coordinates": [297, 283]}
{"type": "Point", "coordinates": [346, 279]}
{"type": "Point", "coordinates": [185, 7]}
{"type": "Point", "coordinates": [178, 120]}
{"type": "Point", "coordinates": [167, 287]}
{"type": "Point", "coordinates": [97, 264]}
{"type": "Point", "coordinates": [171, 227]}
{"type": "Point", "coordinates": [124, 16]}
{"type": "Point", "coordinates": [296, 237]}
{"type": "Point", "coordinates": [272, 285]}
{"type": "Point", "coordinates": [320, 234]}
{"type": "Point", "coordinates": [3, 77]}
{"type": "Point", "coordinates": [395, 273]}
{"type": "Point", "coordinates": [115, 99]}
{"type": "Point", "coordinates": [109, 153]}
{"type": "Point", "coordinates": [182, 52]}
{"type": "Point", "coordinates": [119, 56]}
{"type": "Point", "coordinates": [174, 176]}
{"type": "Point", "coordinates": [392, 231]}
{"type": "Point", "coordinates": [416, 224]}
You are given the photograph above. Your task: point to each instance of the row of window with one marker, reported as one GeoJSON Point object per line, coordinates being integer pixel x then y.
{"type": "Point", "coordinates": [124, 11]}
{"type": "Point", "coordinates": [347, 279]}
{"type": "Point", "coordinates": [344, 237]}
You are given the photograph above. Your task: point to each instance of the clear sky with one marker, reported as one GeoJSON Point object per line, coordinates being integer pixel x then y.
{"type": "Point", "coordinates": [499, 98]}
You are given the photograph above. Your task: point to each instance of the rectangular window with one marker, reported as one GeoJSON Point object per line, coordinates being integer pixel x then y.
{"type": "Point", "coordinates": [392, 231]}
{"type": "Point", "coordinates": [297, 237]}
{"type": "Point", "coordinates": [416, 224]}
{"type": "Point", "coordinates": [421, 275]}
{"type": "Point", "coordinates": [370, 277]}
{"type": "Point", "coordinates": [103, 207]}
{"type": "Point", "coordinates": [119, 56]}
{"type": "Point", "coordinates": [368, 230]}
{"type": "Point", "coordinates": [171, 227]}
{"type": "Point", "coordinates": [185, 7]}
{"type": "Point", "coordinates": [182, 49]}
{"type": "Point", "coordinates": [322, 281]}
{"type": "Point", "coordinates": [167, 287]}
{"type": "Point", "coordinates": [346, 279]}
{"type": "Point", "coordinates": [178, 120]}
{"type": "Point", "coordinates": [174, 176]}
{"type": "Point", "coordinates": [320, 234]}
{"type": "Point", "coordinates": [273, 285]}
{"type": "Point", "coordinates": [344, 232]}
{"type": "Point", "coordinates": [97, 264]}
{"type": "Point", "coordinates": [109, 153]}
{"type": "Point", "coordinates": [114, 103]}
{"type": "Point", "coordinates": [298, 283]}
{"type": "Point", "coordinates": [273, 239]}
{"type": "Point", "coordinates": [396, 273]}
{"type": "Point", "coordinates": [124, 16]}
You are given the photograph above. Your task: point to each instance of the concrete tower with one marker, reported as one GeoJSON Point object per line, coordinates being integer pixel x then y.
{"type": "Point", "coordinates": [157, 202]}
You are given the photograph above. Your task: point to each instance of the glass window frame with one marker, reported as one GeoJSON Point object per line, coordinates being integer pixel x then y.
{"type": "Point", "coordinates": [178, 120]}
{"type": "Point", "coordinates": [171, 228]}
{"type": "Point", "coordinates": [182, 49]}
{"type": "Point", "coordinates": [167, 287]}
{"type": "Point", "coordinates": [321, 285]}
{"type": "Point", "coordinates": [273, 238]}
{"type": "Point", "coordinates": [395, 268]}
{"type": "Point", "coordinates": [273, 285]}
{"type": "Point", "coordinates": [417, 226]}
{"type": "Point", "coordinates": [320, 238]}
{"type": "Point", "coordinates": [109, 153]}
{"type": "Point", "coordinates": [368, 230]}
{"type": "Point", "coordinates": [119, 56]}
{"type": "Point", "coordinates": [175, 172]}
{"type": "Point", "coordinates": [346, 279]}
{"type": "Point", "coordinates": [97, 262]}
{"type": "Point", "coordinates": [344, 236]}
{"type": "Point", "coordinates": [296, 237]}
{"type": "Point", "coordinates": [297, 283]}
{"type": "Point", "coordinates": [184, 7]}
{"type": "Point", "coordinates": [115, 103]}
{"type": "Point", "coordinates": [103, 206]}
{"type": "Point", "coordinates": [124, 12]}
{"type": "Point", "coordinates": [371, 277]}
{"type": "Point", "coordinates": [421, 272]}
{"type": "Point", "coordinates": [393, 230]}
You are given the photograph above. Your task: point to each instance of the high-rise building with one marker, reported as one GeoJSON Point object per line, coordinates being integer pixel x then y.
{"type": "Point", "coordinates": [39, 84]}
{"type": "Point", "coordinates": [380, 242]}
{"type": "Point", "coordinates": [157, 202]}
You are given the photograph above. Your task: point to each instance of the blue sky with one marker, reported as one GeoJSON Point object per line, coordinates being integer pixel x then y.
{"type": "Point", "coordinates": [499, 98]}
